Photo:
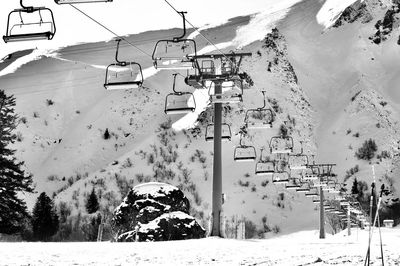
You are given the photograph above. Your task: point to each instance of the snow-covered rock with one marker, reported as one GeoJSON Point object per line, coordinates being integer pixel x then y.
{"type": "Point", "coordinates": [155, 212]}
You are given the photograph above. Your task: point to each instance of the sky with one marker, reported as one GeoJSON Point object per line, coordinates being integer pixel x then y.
{"type": "Point", "coordinates": [128, 17]}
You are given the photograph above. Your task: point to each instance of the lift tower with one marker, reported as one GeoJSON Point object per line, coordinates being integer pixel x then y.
{"type": "Point", "coordinates": [217, 69]}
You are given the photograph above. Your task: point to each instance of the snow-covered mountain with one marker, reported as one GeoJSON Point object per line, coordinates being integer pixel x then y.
{"type": "Point", "coordinates": [321, 69]}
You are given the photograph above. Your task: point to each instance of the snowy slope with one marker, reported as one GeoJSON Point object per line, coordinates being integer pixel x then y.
{"type": "Point", "coordinates": [302, 248]}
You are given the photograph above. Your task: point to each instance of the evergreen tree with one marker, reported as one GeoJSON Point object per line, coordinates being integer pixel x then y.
{"type": "Point", "coordinates": [92, 204]}
{"type": "Point", "coordinates": [44, 218]}
{"type": "Point", "coordinates": [13, 179]}
{"type": "Point", "coordinates": [354, 188]}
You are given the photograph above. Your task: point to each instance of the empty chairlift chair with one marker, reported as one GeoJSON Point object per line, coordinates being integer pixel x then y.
{"type": "Point", "coordinates": [232, 92]}
{"type": "Point", "coordinates": [30, 23]}
{"type": "Point", "coordinates": [281, 178]}
{"type": "Point", "coordinates": [244, 153]}
{"type": "Point", "coordinates": [312, 193]}
{"type": "Point", "coordinates": [123, 75]}
{"type": "Point", "coordinates": [175, 53]}
{"type": "Point", "coordinates": [298, 161]}
{"type": "Point", "coordinates": [60, 2]}
{"type": "Point", "coordinates": [293, 184]}
{"type": "Point", "coordinates": [259, 118]}
{"type": "Point", "coordinates": [264, 166]}
{"type": "Point", "coordinates": [179, 102]}
{"type": "Point", "coordinates": [281, 144]}
{"type": "Point", "coordinates": [311, 173]}
{"type": "Point", "coordinates": [226, 133]}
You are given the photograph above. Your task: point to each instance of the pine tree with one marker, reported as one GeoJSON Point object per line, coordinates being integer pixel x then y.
{"type": "Point", "coordinates": [354, 188]}
{"type": "Point", "coordinates": [13, 179]}
{"type": "Point", "coordinates": [44, 218]}
{"type": "Point", "coordinates": [92, 204]}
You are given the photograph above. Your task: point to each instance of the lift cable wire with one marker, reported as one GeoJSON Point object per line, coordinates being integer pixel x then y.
{"type": "Point", "coordinates": [116, 35]}
{"type": "Point", "coordinates": [109, 30]}
{"type": "Point", "coordinates": [220, 51]}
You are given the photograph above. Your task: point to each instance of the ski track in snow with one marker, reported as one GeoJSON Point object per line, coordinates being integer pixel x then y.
{"type": "Point", "coordinates": [301, 248]}
{"type": "Point", "coordinates": [331, 11]}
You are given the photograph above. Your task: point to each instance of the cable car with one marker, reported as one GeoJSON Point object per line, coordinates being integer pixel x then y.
{"type": "Point", "coordinates": [281, 144]}
{"type": "Point", "coordinates": [244, 153]}
{"type": "Point", "coordinates": [232, 92]}
{"type": "Point", "coordinates": [226, 133]}
{"type": "Point", "coordinates": [175, 53]}
{"type": "Point", "coordinates": [60, 2]}
{"type": "Point", "coordinates": [29, 24]}
{"type": "Point", "coordinates": [179, 102]}
{"type": "Point", "coordinates": [260, 117]}
{"type": "Point", "coordinates": [281, 178]}
{"type": "Point", "coordinates": [123, 75]}
{"type": "Point", "coordinates": [264, 166]}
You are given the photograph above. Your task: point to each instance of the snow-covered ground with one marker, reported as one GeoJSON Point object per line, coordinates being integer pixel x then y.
{"type": "Point", "coordinates": [331, 11]}
{"type": "Point", "coordinates": [302, 248]}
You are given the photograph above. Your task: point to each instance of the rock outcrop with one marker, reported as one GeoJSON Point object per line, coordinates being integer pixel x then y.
{"type": "Point", "coordinates": [155, 212]}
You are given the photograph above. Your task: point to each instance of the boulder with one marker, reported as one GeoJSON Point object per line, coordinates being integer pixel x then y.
{"type": "Point", "coordinates": [155, 212]}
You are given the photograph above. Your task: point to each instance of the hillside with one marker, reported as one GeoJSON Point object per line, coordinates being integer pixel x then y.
{"type": "Point", "coordinates": [335, 86]}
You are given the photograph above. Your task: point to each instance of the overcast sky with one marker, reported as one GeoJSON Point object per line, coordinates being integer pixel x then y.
{"type": "Point", "coordinates": [128, 16]}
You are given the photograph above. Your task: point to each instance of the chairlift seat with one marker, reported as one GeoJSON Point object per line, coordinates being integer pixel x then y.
{"type": "Point", "coordinates": [123, 76]}
{"type": "Point", "coordinates": [300, 190]}
{"type": "Point", "coordinates": [226, 133]}
{"type": "Point", "coordinates": [245, 153]}
{"type": "Point", "coordinates": [43, 29]}
{"type": "Point", "coordinates": [259, 118]}
{"type": "Point", "coordinates": [180, 103]}
{"type": "Point", "coordinates": [281, 144]}
{"type": "Point", "coordinates": [281, 178]}
{"type": "Point", "coordinates": [298, 161]}
{"type": "Point", "coordinates": [174, 54]}
{"type": "Point", "coordinates": [311, 194]}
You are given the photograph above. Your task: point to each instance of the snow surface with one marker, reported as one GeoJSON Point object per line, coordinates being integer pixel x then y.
{"type": "Point", "coordinates": [302, 248]}
{"type": "Point", "coordinates": [35, 55]}
{"type": "Point", "coordinates": [331, 11]}
{"type": "Point", "coordinates": [262, 23]}
{"type": "Point", "coordinates": [153, 188]}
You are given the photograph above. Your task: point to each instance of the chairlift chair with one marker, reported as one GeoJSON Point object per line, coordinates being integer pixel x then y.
{"type": "Point", "coordinates": [232, 92]}
{"type": "Point", "coordinates": [298, 161]}
{"type": "Point", "coordinates": [175, 53]}
{"type": "Point", "coordinates": [123, 75]}
{"type": "Point", "coordinates": [226, 133]}
{"type": "Point", "coordinates": [179, 102]}
{"type": "Point", "coordinates": [259, 118]}
{"type": "Point", "coordinates": [280, 178]}
{"type": "Point", "coordinates": [60, 2]}
{"type": "Point", "coordinates": [311, 173]}
{"type": "Point", "coordinates": [281, 144]}
{"type": "Point", "coordinates": [244, 153]}
{"type": "Point", "coordinates": [264, 166]}
{"type": "Point", "coordinates": [29, 24]}
{"type": "Point", "coordinates": [316, 200]}
{"type": "Point", "coordinates": [312, 193]}
{"type": "Point", "coordinates": [305, 188]}
{"type": "Point", "coordinates": [292, 185]}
